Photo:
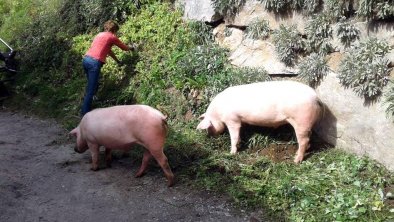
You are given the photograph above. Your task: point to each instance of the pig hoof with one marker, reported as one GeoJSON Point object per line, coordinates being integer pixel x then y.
{"type": "Point", "coordinates": [298, 160]}
{"type": "Point", "coordinates": [171, 182]}
{"type": "Point", "coordinates": [139, 175]}
{"type": "Point", "coordinates": [94, 168]}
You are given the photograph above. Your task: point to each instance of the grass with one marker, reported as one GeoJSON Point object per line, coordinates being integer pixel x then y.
{"type": "Point", "coordinates": [330, 185]}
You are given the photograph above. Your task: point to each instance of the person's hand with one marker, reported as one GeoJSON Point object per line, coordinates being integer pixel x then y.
{"type": "Point", "coordinates": [133, 47]}
{"type": "Point", "coordinates": [120, 63]}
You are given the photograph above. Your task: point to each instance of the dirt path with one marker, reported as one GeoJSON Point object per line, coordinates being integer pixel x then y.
{"type": "Point", "coordinates": [43, 179]}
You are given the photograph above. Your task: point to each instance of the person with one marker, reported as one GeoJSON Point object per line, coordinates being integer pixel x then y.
{"type": "Point", "coordinates": [95, 58]}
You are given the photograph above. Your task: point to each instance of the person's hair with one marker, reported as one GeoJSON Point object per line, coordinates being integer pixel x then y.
{"type": "Point", "coordinates": [111, 26]}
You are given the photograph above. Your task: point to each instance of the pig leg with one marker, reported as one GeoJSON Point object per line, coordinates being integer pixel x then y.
{"type": "Point", "coordinates": [163, 162]}
{"type": "Point", "coordinates": [234, 129]}
{"type": "Point", "coordinates": [303, 144]}
{"type": "Point", "coordinates": [144, 164]}
{"type": "Point", "coordinates": [94, 150]}
{"type": "Point", "coordinates": [108, 157]}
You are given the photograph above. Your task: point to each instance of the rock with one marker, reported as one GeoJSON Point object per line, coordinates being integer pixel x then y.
{"type": "Point", "coordinates": [353, 126]}
{"type": "Point", "coordinates": [200, 10]}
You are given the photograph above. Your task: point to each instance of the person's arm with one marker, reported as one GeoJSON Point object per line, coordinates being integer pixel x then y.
{"type": "Point", "coordinates": [121, 45]}
{"type": "Point", "coordinates": [112, 54]}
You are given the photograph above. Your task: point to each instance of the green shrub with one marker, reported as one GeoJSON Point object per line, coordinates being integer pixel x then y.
{"type": "Point", "coordinates": [201, 32]}
{"type": "Point", "coordinates": [347, 33]}
{"type": "Point", "coordinates": [389, 100]}
{"type": "Point", "coordinates": [375, 9]}
{"type": "Point", "coordinates": [227, 32]}
{"type": "Point", "coordinates": [313, 69]}
{"type": "Point", "coordinates": [163, 38]}
{"type": "Point", "coordinates": [198, 65]}
{"type": "Point", "coordinates": [227, 7]}
{"type": "Point", "coordinates": [276, 5]}
{"type": "Point", "coordinates": [319, 32]}
{"type": "Point", "coordinates": [258, 29]}
{"type": "Point", "coordinates": [335, 9]}
{"type": "Point", "coordinates": [311, 6]}
{"type": "Point", "coordinates": [288, 42]}
{"type": "Point", "coordinates": [385, 9]}
{"type": "Point", "coordinates": [365, 69]}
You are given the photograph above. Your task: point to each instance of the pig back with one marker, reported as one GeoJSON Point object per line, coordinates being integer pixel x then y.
{"type": "Point", "coordinates": [121, 125]}
{"type": "Point", "coordinates": [264, 103]}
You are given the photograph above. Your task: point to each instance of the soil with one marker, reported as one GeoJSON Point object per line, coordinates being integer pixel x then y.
{"type": "Point", "coordinates": [43, 179]}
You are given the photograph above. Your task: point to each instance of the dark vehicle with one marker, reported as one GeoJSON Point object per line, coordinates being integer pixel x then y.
{"type": "Point", "coordinates": [8, 67]}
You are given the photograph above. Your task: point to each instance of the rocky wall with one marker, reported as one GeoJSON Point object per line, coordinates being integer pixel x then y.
{"type": "Point", "coordinates": [349, 123]}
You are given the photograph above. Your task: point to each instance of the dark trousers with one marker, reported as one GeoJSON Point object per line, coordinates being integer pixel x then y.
{"type": "Point", "coordinates": [92, 69]}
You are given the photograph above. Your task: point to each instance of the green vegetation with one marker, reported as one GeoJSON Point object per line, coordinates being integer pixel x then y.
{"type": "Point", "coordinates": [178, 69]}
{"type": "Point", "coordinates": [319, 32]}
{"type": "Point", "coordinates": [313, 68]}
{"type": "Point", "coordinates": [258, 29]}
{"type": "Point", "coordinates": [288, 42]}
{"type": "Point", "coordinates": [365, 69]}
{"type": "Point", "coordinates": [389, 100]}
{"type": "Point", "coordinates": [228, 7]}
{"type": "Point", "coordinates": [368, 9]}
{"type": "Point", "coordinates": [347, 33]}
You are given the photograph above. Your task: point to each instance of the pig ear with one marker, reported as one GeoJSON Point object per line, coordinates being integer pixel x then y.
{"type": "Point", "coordinates": [204, 124]}
{"type": "Point", "coordinates": [74, 132]}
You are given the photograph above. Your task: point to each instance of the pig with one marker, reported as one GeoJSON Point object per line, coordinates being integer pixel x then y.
{"type": "Point", "coordinates": [119, 127]}
{"type": "Point", "coordinates": [268, 104]}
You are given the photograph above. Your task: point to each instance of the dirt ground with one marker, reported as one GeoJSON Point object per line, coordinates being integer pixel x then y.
{"type": "Point", "coordinates": [43, 179]}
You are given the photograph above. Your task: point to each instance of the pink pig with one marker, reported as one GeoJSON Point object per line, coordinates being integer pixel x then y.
{"type": "Point", "coordinates": [119, 127]}
{"type": "Point", "coordinates": [269, 104]}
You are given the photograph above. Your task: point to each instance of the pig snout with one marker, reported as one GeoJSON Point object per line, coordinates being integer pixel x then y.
{"type": "Point", "coordinates": [77, 150]}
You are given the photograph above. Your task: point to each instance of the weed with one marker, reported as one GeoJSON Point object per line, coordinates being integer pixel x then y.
{"type": "Point", "coordinates": [258, 29]}
{"type": "Point", "coordinates": [365, 69]}
{"type": "Point", "coordinates": [313, 68]}
{"type": "Point", "coordinates": [347, 33]}
{"type": "Point", "coordinates": [227, 8]}
{"type": "Point", "coordinates": [276, 5]}
{"type": "Point", "coordinates": [319, 32]}
{"type": "Point", "coordinates": [288, 42]}
{"type": "Point", "coordinates": [389, 100]}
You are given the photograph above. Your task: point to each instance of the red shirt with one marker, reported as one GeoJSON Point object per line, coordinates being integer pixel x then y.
{"type": "Point", "coordinates": [101, 45]}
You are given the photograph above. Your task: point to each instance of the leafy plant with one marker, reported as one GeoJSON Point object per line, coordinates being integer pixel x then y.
{"type": "Point", "coordinates": [201, 32]}
{"type": "Point", "coordinates": [311, 6]}
{"type": "Point", "coordinates": [372, 9]}
{"type": "Point", "coordinates": [313, 69]}
{"type": "Point", "coordinates": [258, 29]}
{"type": "Point", "coordinates": [227, 7]}
{"type": "Point", "coordinates": [227, 32]}
{"type": "Point", "coordinates": [347, 33]}
{"type": "Point", "coordinates": [276, 5]}
{"type": "Point", "coordinates": [198, 65]}
{"type": "Point", "coordinates": [365, 8]}
{"type": "Point", "coordinates": [385, 9]}
{"type": "Point", "coordinates": [365, 69]}
{"type": "Point", "coordinates": [319, 32]}
{"type": "Point", "coordinates": [288, 42]}
{"type": "Point", "coordinates": [389, 99]}
{"type": "Point", "coordinates": [335, 9]}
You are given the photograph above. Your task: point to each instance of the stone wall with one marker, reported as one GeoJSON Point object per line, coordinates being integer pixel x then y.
{"type": "Point", "coordinates": [349, 124]}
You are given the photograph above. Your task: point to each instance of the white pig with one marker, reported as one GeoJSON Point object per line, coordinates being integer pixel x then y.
{"type": "Point", "coordinates": [119, 127]}
{"type": "Point", "coordinates": [269, 104]}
